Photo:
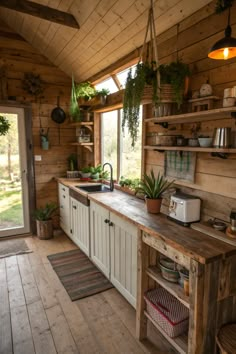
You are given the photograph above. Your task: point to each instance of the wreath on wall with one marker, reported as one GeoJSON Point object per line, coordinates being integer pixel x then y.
{"type": "Point", "coordinates": [4, 125]}
{"type": "Point", "coordinates": [32, 84]}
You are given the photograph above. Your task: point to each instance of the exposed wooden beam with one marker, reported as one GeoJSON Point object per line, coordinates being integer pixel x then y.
{"type": "Point", "coordinates": [44, 12]}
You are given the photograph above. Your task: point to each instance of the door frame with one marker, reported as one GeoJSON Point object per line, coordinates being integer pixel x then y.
{"type": "Point", "coordinates": [31, 198]}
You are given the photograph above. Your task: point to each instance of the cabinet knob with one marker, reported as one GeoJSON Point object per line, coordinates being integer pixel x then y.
{"type": "Point", "coordinates": [61, 206]}
{"type": "Point", "coordinates": [106, 221]}
{"type": "Point", "coordinates": [64, 196]}
{"type": "Point", "coordinates": [111, 223]}
{"type": "Point", "coordinates": [74, 207]}
{"type": "Point", "coordinates": [63, 189]}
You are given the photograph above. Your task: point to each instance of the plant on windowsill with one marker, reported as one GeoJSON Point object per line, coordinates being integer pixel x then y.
{"type": "Point", "coordinates": [95, 171]}
{"type": "Point", "coordinates": [4, 125]}
{"type": "Point", "coordinates": [43, 217]}
{"type": "Point", "coordinates": [129, 185]}
{"type": "Point", "coordinates": [153, 188]}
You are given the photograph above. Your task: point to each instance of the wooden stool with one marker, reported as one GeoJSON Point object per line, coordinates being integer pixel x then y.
{"type": "Point", "coordinates": [226, 339]}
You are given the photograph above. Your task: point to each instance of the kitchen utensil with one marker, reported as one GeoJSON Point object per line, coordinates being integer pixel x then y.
{"type": "Point", "coordinates": [218, 225]}
{"type": "Point", "coordinates": [193, 142]}
{"type": "Point", "coordinates": [233, 219]}
{"type": "Point", "coordinates": [222, 137]}
{"type": "Point", "coordinates": [58, 116]}
{"type": "Point", "coordinates": [228, 102]}
{"type": "Point", "coordinates": [181, 141]}
{"type": "Point", "coordinates": [205, 142]}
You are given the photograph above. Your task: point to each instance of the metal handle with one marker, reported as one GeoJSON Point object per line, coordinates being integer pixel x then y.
{"type": "Point", "coordinates": [63, 189]}
{"type": "Point", "coordinates": [111, 223]}
{"type": "Point", "coordinates": [106, 221]}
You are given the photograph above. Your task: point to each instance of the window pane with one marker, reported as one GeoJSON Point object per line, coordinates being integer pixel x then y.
{"type": "Point", "coordinates": [122, 76]}
{"type": "Point", "coordinates": [109, 139]}
{"type": "Point", "coordinates": [131, 157]}
{"type": "Point", "coordinates": [107, 84]}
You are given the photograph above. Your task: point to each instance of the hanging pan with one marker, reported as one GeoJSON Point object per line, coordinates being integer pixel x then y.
{"type": "Point", "coordinates": [58, 116]}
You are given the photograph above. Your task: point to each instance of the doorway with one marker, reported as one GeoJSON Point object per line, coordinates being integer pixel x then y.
{"type": "Point", "coordinates": [14, 187]}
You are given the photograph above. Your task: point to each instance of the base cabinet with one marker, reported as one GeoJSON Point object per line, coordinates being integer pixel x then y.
{"type": "Point", "coordinates": [114, 249]}
{"type": "Point", "coordinates": [79, 231]}
{"type": "Point", "coordinates": [100, 239]}
{"type": "Point", "coordinates": [123, 239]}
{"type": "Point", "coordinates": [64, 205]}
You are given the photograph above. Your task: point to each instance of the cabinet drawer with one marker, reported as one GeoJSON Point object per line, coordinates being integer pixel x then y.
{"type": "Point", "coordinates": [63, 191]}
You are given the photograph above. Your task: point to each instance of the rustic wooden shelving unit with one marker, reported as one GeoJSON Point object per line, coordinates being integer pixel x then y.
{"type": "Point", "coordinates": [189, 148]}
{"type": "Point", "coordinates": [219, 113]}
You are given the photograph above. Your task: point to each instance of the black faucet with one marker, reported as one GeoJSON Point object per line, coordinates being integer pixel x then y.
{"type": "Point", "coordinates": [111, 177]}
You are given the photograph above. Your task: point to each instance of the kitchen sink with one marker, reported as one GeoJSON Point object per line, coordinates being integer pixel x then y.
{"type": "Point", "coordinates": [94, 189]}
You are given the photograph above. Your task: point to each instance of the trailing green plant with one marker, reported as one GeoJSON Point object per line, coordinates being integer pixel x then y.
{"type": "Point", "coordinates": [45, 213]}
{"type": "Point", "coordinates": [222, 5]}
{"type": "Point", "coordinates": [153, 187]}
{"type": "Point", "coordinates": [134, 88]}
{"type": "Point", "coordinates": [175, 74]}
{"type": "Point", "coordinates": [72, 161]}
{"type": "Point", "coordinates": [74, 107]}
{"type": "Point", "coordinates": [4, 125]}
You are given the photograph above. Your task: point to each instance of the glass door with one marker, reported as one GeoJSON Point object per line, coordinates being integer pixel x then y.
{"type": "Point", "coordinates": [14, 205]}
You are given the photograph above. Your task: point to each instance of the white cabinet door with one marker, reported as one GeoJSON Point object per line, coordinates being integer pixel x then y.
{"type": "Point", "coordinates": [123, 238]}
{"type": "Point", "coordinates": [100, 241]}
{"type": "Point", "coordinates": [64, 205]}
{"type": "Point", "coordinates": [80, 225]}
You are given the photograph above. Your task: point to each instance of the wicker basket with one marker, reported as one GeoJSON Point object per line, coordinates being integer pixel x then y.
{"type": "Point", "coordinates": [167, 311]}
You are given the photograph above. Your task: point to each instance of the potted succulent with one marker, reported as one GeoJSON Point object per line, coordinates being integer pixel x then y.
{"type": "Point", "coordinates": [4, 125]}
{"type": "Point", "coordinates": [43, 216]}
{"type": "Point", "coordinates": [102, 95]}
{"type": "Point", "coordinates": [153, 188]}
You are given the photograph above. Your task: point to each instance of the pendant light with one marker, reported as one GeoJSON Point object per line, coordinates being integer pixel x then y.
{"type": "Point", "coordinates": [225, 48]}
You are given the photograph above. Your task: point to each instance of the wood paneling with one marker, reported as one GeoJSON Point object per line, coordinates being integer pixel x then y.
{"type": "Point", "coordinates": [102, 38]}
{"type": "Point", "coordinates": [19, 58]}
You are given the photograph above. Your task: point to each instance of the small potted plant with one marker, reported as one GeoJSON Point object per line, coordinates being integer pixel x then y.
{"type": "Point", "coordinates": [95, 171]}
{"type": "Point", "coordinates": [73, 166]}
{"type": "Point", "coordinates": [102, 95]}
{"type": "Point", "coordinates": [153, 188]}
{"type": "Point", "coordinates": [85, 172]}
{"type": "Point", "coordinates": [43, 216]}
{"type": "Point", "coordinates": [85, 92]}
{"type": "Point", "coordinates": [129, 185]}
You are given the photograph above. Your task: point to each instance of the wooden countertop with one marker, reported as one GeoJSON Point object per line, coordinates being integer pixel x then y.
{"type": "Point", "coordinates": [197, 245]}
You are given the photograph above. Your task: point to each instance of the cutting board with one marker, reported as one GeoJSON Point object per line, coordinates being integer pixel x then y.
{"type": "Point", "coordinates": [209, 230]}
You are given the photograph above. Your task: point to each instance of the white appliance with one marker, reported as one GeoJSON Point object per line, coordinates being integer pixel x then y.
{"type": "Point", "coordinates": [184, 208]}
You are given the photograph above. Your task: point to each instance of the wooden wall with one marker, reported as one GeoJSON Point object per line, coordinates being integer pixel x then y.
{"type": "Point", "coordinates": [18, 57]}
{"type": "Point", "coordinates": [215, 178]}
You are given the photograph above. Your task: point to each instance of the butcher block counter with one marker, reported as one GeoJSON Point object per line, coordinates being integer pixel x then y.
{"type": "Point", "coordinates": [211, 264]}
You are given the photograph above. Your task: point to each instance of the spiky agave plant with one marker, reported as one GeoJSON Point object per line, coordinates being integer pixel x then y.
{"type": "Point", "coordinates": [153, 187]}
{"type": "Point", "coordinates": [46, 213]}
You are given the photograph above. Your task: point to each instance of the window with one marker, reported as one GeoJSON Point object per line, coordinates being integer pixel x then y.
{"type": "Point", "coordinates": [107, 84]}
{"type": "Point", "coordinates": [116, 146]}
{"type": "Point", "coordinates": [122, 76]}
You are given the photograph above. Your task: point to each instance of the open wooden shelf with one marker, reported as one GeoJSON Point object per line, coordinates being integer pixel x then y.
{"type": "Point", "coordinates": [213, 114]}
{"type": "Point", "coordinates": [189, 148]}
{"type": "Point", "coordinates": [78, 124]}
{"type": "Point", "coordinates": [180, 343]}
{"type": "Point", "coordinates": [88, 146]}
{"type": "Point", "coordinates": [173, 288]}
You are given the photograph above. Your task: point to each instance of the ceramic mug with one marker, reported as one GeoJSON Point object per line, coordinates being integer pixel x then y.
{"type": "Point", "coordinates": [228, 92]}
{"type": "Point", "coordinates": [229, 102]}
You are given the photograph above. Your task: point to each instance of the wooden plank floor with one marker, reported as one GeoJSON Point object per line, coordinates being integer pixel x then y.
{"type": "Point", "coordinates": [38, 317]}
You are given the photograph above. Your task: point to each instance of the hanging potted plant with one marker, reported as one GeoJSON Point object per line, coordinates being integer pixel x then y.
{"type": "Point", "coordinates": [74, 107]}
{"type": "Point", "coordinates": [4, 125]}
{"type": "Point", "coordinates": [153, 188]}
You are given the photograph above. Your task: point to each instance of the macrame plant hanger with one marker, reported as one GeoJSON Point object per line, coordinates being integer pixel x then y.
{"type": "Point", "coordinates": [149, 49]}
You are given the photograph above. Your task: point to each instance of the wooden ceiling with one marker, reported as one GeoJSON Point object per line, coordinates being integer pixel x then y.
{"type": "Point", "coordinates": [109, 30]}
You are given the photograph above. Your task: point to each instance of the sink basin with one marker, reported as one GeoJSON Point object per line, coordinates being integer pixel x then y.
{"type": "Point", "coordinates": [94, 189]}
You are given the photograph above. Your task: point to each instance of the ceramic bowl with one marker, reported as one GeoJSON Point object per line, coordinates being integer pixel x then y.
{"type": "Point", "coordinates": [205, 142]}
{"type": "Point", "coordinates": [193, 142]}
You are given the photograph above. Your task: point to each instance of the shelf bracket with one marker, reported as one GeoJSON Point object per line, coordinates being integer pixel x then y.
{"type": "Point", "coordinates": [88, 147]}
{"type": "Point", "coordinates": [163, 124]}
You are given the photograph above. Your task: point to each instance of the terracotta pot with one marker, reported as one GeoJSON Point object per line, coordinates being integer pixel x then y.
{"type": "Point", "coordinates": [153, 205]}
{"type": "Point", "coordinates": [44, 229]}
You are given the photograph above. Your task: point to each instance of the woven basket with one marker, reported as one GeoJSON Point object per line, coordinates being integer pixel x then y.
{"type": "Point", "coordinates": [167, 93]}
{"type": "Point", "coordinates": [167, 311]}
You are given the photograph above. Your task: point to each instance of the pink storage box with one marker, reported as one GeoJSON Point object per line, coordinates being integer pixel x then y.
{"type": "Point", "coordinates": [169, 313]}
